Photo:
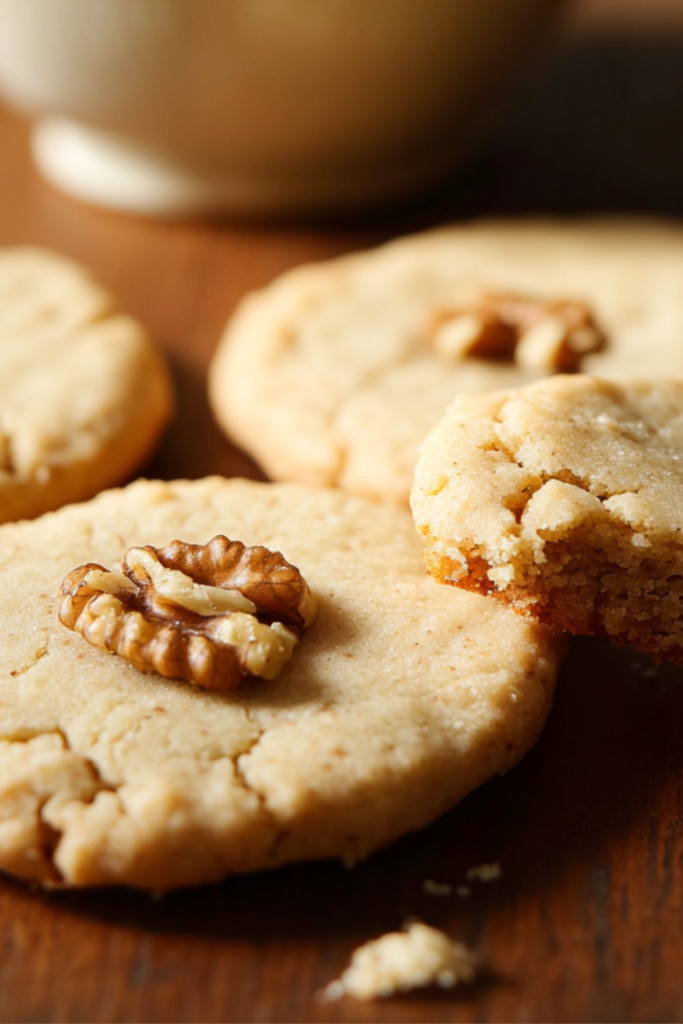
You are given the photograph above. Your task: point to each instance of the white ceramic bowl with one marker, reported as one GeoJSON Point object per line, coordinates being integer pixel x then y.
{"type": "Point", "coordinates": [257, 106]}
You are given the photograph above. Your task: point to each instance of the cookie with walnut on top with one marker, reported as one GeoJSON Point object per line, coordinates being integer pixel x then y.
{"type": "Point", "coordinates": [216, 676]}
{"type": "Point", "coordinates": [564, 499]}
{"type": "Point", "coordinates": [335, 372]}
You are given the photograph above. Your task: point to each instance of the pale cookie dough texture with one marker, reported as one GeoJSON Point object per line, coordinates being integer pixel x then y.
{"type": "Point", "coordinates": [83, 394]}
{"type": "Point", "coordinates": [328, 375]}
{"type": "Point", "coordinates": [401, 698]}
{"type": "Point", "coordinates": [565, 500]}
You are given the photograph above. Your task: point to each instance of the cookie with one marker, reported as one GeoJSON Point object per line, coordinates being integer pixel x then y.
{"type": "Point", "coordinates": [83, 394]}
{"type": "Point", "coordinates": [400, 698]}
{"type": "Point", "coordinates": [564, 499]}
{"type": "Point", "coordinates": [335, 372]}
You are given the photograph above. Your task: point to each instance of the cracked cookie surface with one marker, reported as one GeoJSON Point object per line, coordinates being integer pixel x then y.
{"type": "Point", "coordinates": [330, 374]}
{"type": "Point", "coordinates": [83, 394]}
{"type": "Point", "coordinates": [400, 698]}
{"type": "Point", "coordinates": [565, 500]}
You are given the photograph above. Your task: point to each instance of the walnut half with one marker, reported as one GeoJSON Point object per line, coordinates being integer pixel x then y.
{"type": "Point", "coordinates": [540, 335]}
{"type": "Point", "coordinates": [211, 614]}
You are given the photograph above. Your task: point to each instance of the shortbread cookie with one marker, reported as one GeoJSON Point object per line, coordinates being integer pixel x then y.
{"type": "Point", "coordinates": [83, 394]}
{"type": "Point", "coordinates": [335, 372]}
{"type": "Point", "coordinates": [400, 698]}
{"type": "Point", "coordinates": [565, 500]}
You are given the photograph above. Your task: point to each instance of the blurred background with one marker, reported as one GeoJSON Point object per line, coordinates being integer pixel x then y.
{"type": "Point", "coordinates": [598, 124]}
{"type": "Point", "coordinates": [198, 106]}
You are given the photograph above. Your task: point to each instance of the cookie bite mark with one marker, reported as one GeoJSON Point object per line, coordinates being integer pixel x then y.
{"type": "Point", "coordinates": [468, 569]}
{"type": "Point", "coordinates": [212, 614]}
{"type": "Point", "coordinates": [564, 500]}
{"type": "Point", "coordinates": [540, 335]}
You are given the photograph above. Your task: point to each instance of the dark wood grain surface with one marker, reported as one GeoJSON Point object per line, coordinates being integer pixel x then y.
{"type": "Point", "coordinates": [586, 922]}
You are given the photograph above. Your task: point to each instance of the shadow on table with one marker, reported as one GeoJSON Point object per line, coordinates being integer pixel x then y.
{"type": "Point", "coordinates": [194, 446]}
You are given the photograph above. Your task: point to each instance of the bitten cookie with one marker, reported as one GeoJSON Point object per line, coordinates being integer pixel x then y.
{"type": "Point", "coordinates": [83, 394]}
{"type": "Point", "coordinates": [399, 698]}
{"type": "Point", "coordinates": [565, 500]}
{"type": "Point", "coordinates": [336, 372]}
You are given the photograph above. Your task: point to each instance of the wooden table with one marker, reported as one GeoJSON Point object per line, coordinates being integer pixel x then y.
{"type": "Point", "coordinates": [586, 922]}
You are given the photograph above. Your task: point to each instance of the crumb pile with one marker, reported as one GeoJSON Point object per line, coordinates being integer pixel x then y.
{"type": "Point", "coordinates": [401, 961]}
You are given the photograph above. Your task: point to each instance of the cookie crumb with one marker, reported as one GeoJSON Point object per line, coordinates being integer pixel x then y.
{"type": "Point", "coordinates": [484, 873]}
{"type": "Point", "coordinates": [433, 888]}
{"type": "Point", "coordinates": [401, 961]}
{"type": "Point", "coordinates": [335, 990]}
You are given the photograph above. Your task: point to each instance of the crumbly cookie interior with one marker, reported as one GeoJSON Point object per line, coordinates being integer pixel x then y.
{"type": "Point", "coordinates": [564, 499]}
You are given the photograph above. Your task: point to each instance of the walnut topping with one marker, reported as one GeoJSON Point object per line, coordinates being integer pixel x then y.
{"type": "Point", "coordinates": [541, 335]}
{"type": "Point", "coordinates": [210, 613]}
